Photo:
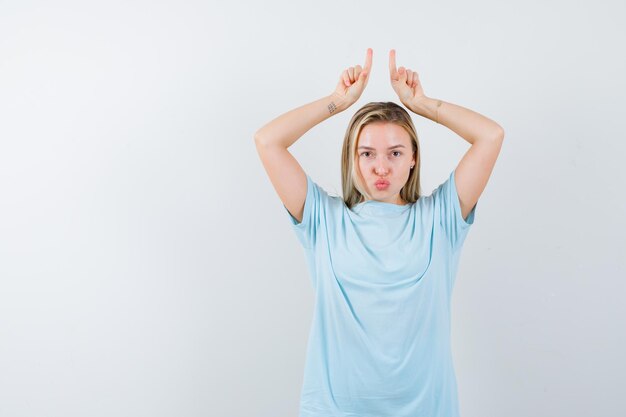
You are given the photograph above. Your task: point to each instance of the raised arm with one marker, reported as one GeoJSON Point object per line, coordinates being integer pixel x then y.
{"type": "Point", "coordinates": [273, 139]}
{"type": "Point", "coordinates": [485, 135]}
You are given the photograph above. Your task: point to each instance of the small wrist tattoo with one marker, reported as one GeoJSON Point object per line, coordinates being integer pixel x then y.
{"type": "Point", "coordinates": [332, 107]}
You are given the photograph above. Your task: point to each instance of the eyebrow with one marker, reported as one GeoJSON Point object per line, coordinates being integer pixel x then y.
{"type": "Point", "coordinates": [391, 147]}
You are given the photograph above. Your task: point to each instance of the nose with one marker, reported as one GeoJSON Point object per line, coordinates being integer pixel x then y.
{"type": "Point", "coordinates": [381, 167]}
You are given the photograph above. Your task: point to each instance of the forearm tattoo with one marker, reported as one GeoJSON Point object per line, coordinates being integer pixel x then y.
{"type": "Point", "coordinates": [332, 107]}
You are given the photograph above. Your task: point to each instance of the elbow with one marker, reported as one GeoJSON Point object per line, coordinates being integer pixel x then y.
{"type": "Point", "coordinates": [500, 132]}
{"type": "Point", "coordinates": [257, 138]}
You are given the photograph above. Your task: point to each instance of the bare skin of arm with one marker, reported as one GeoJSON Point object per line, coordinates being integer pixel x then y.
{"type": "Point", "coordinates": [273, 139]}
{"type": "Point", "coordinates": [485, 135]}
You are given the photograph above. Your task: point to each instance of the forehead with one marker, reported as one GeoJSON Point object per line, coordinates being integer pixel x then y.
{"type": "Point", "coordinates": [383, 135]}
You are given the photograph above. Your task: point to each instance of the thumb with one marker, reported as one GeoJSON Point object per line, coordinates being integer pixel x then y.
{"type": "Point", "coordinates": [362, 78]}
{"type": "Point", "coordinates": [402, 74]}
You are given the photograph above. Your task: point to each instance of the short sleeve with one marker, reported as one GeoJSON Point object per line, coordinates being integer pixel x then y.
{"type": "Point", "coordinates": [448, 208]}
{"type": "Point", "coordinates": [314, 212]}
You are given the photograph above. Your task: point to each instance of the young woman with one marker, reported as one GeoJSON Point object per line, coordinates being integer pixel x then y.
{"type": "Point", "coordinates": [382, 259]}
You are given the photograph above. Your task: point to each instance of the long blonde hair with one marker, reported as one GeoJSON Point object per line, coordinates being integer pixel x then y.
{"type": "Point", "coordinates": [352, 182]}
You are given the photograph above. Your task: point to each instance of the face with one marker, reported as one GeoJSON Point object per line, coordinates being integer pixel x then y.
{"type": "Point", "coordinates": [385, 157]}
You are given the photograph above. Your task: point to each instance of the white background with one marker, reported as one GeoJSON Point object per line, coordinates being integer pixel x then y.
{"type": "Point", "coordinates": [148, 268]}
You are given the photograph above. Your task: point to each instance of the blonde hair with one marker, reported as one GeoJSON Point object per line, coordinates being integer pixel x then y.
{"type": "Point", "coordinates": [352, 181]}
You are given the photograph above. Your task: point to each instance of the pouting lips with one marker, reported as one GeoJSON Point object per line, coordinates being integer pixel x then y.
{"type": "Point", "coordinates": [382, 185]}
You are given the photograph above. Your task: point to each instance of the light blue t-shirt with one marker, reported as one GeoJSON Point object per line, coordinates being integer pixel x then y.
{"type": "Point", "coordinates": [379, 343]}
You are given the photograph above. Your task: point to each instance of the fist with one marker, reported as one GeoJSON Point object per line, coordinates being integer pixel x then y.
{"type": "Point", "coordinates": [405, 83]}
{"type": "Point", "coordinates": [353, 80]}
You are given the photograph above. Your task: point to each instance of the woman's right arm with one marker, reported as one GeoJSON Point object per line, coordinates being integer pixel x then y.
{"type": "Point", "coordinates": [287, 128]}
{"type": "Point", "coordinates": [273, 139]}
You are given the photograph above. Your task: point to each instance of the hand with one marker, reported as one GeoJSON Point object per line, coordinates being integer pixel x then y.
{"type": "Point", "coordinates": [405, 82]}
{"type": "Point", "coordinates": [353, 80]}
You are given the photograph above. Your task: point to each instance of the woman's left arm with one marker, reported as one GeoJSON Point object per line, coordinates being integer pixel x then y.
{"type": "Point", "coordinates": [485, 136]}
{"type": "Point", "coordinates": [468, 124]}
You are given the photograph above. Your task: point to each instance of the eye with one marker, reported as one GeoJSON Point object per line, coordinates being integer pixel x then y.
{"type": "Point", "coordinates": [363, 153]}
{"type": "Point", "coordinates": [398, 152]}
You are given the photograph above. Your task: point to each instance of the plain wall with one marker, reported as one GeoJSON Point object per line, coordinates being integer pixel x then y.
{"type": "Point", "coordinates": [148, 268]}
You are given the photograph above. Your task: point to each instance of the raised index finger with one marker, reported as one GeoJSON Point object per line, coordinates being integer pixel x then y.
{"type": "Point", "coordinates": [392, 63]}
{"type": "Point", "coordinates": [368, 60]}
